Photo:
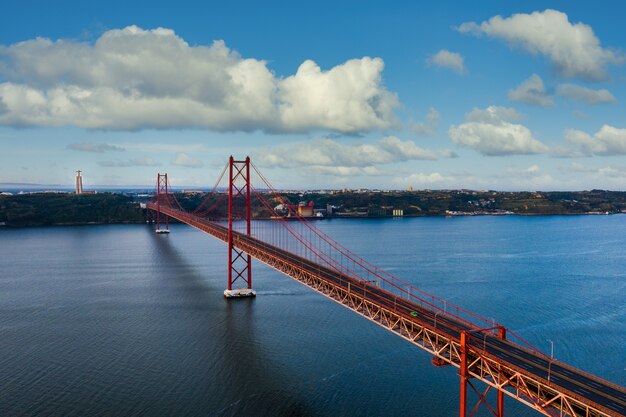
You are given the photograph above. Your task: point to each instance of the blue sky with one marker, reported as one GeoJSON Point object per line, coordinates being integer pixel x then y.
{"type": "Point", "coordinates": [483, 95]}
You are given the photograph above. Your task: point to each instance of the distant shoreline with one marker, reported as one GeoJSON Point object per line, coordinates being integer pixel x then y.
{"type": "Point", "coordinates": [68, 209]}
{"type": "Point", "coordinates": [173, 221]}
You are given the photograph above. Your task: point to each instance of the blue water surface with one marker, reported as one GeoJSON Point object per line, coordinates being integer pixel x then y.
{"type": "Point", "coordinates": [115, 320]}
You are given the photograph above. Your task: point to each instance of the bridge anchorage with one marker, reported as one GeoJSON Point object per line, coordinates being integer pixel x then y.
{"type": "Point", "coordinates": [255, 221]}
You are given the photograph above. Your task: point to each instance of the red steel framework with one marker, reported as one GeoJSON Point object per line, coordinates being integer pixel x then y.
{"type": "Point", "coordinates": [464, 376]}
{"type": "Point", "coordinates": [239, 262]}
{"type": "Point", "coordinates": [162, 192]}
{"type": "Point", "coordinates": [466, 350]}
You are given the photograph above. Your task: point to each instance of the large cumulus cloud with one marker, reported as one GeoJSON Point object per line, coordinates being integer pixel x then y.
{"type": "Point", "coordinates": [133, 78]}
{"type": "Point", "coordinates": [573, 48]}
{"type": "Point", "coordinates": [608, 141]}
{"type": "Point", "coordinates": [492, 132]}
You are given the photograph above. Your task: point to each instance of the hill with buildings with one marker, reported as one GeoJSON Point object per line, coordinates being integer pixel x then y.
{"type": "Point", "coordinates": [61, 208]}
{"type": "Point", "coordinates": [468, 202]}
{"type": "Point", "coordinates": [372, 203]}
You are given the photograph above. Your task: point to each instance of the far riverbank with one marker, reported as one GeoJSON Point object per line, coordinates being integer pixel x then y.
{"type": "Point", "coordinates": [47, 209]}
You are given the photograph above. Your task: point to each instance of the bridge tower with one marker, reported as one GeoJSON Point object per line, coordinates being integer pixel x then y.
{"type": "Point", "coordinates": [239, 262]}
{"type": "Point", "coordinates": [162, 197]}
{"type": "Point", "coordinates": [464, 375]}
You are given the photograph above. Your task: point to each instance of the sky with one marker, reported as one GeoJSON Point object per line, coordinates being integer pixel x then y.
{"type": "Point", "coordinates": [321, 95]}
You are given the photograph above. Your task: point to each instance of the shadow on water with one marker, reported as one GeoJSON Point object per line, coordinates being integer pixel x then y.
{"type": "Point", "coordinates": [240, 373]}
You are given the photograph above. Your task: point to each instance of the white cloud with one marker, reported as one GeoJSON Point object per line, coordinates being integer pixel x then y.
{"type": "Point", "coordinates": [450, 60]}
{"type": "Point", "coordinates": [184, 160]}
{"type": "Point", "coordinates": [330, 153]}
{"type": "Point", "coordinates": [165, 147]}
{"type": "Point", "coordinates": [421, 179]}
{"type": "Point", "coordinates": [531, 91]}
{"type": "Point", "coordinates": [529, 178]}
{"type": "Point", "coordinates": [574, 50]}
{"type": "Point", "coordinates": [618, 172]}
{"type": "Point", "coordinates": [493, 115]}
{"type": "Point", "coordinates": [607, 141]}
{"type": "Point", "coordinates": [587, 95]}
{"type": "Point", "coordinates": [94, 147]}
{"type": "Point", "coordinates": [429, 127]}
{"type": "Point", "coordinates": [136, 162]}
{"type": "Point", "coordinates": [577, 168]}
{"type": "Point", "coordinates": [490, 132]}
{"type": "Point", "coordinates": [345, 171]}
{"type": "Point", "coordinates": [613, 172]}
{"type": "Point", "coordinates": [133, 79]}
{"type": "Point", "coordinates": [512, 178]}
{"type": "Point", "coordinates": [561, 151]}
{"type": "Point", "coordinates": [609, 172]}
{"type": "Point", "coordinates": [3, 107]}
{"type": "Point", "coordinates": [531, 171]}
{"type": "Point", "coordinates": [347, 98]}
{"type": "Point", "coordinates": [408, 150]}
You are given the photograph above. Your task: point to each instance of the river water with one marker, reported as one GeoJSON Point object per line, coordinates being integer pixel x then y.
{"type": "Point", "coordinates": [116, 320]}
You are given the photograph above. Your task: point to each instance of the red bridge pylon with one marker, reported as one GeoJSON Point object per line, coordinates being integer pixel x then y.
{"type": "Point", "coordinates": [464, 374]}
{"type": "Point", "coordinates": [239, 200]}
{"type": "Point", "coordinates": [162, 199]}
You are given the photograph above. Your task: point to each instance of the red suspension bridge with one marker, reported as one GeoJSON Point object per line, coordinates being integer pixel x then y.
{"type": "Point", "coordinates": [488, 355]}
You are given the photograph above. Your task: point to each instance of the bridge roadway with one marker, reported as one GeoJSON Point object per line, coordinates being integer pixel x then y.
{"type": "Point", "coordinates": [603, 395]}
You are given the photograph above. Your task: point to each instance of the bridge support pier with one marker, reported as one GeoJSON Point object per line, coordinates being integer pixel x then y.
{"type": "Point", "coordinates": [239, 262]}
